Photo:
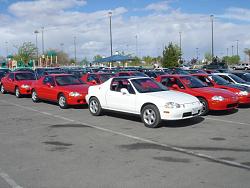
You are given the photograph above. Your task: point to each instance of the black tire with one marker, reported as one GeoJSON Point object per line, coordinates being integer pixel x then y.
{"type": "Point", "coordinates": [95, 107]}
{"type": "Point", "coordinates": [34, 96]}
{"type": "Point", "coordinates": [204, 109]}
{"type": "Point", "coordinates": [17, 93]}
{"type": "Point", "coordinates": [150, 116]}
{"type": "Point", "coordinates": [62, 101]}
{"type": "Point", "coordinates": [2, 89]}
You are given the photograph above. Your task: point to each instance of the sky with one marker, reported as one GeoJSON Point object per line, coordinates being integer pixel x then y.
{"type": "Point", "coordinates": [151, 24]}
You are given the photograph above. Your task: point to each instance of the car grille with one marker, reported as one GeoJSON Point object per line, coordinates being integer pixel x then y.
{"type": "Point", "coordinates": [188, 114]}
{"type": "Point", "coordinates": [232, 105]}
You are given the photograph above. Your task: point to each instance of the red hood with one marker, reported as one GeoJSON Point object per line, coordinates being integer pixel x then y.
{"type": "Point", "coordinates": [83, 88]}
{"type": "Point", "coordinates": [209, 91]}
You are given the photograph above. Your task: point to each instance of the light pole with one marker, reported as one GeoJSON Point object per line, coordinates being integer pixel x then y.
{"type": "Point", "coordinates": [180, 46]}
{"type": "Point", "coordinates": [212, 27]}
{"type": "Point", "coordinates": [36, 33]}
{"type": "Point", "coordinates": [7, 49]}
{"type": "Point", "coordinates": [197, 53]}
{"type": "Point", "coordinates": [237, 47]}
{"type": "Point", "coordinates": [232, 50]}
{"type": "Point", "coordinates": [227, 51]}
{"type": "Point", "coordinates": [110, 32]}
{"type": "Point", "coordinates": [136, 45]}
{"type": "Point", "coordinates": [61, 44]}
{"type": "Point", "coordinates": [75, 48]}
{"type": "Point", "coordinates": [42, 40]}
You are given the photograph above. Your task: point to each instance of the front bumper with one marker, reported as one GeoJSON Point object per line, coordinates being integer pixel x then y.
{"type": "Point", "coordinates": [227, 104]}
{"type": "Point", "coordinates": [189, 111]}
{"type": "Point", "coordinates": [77, 100]}
{"type": "Point", "coordinates": [244, 99]}
{"type": "Point", "coordinates": [25, 91]}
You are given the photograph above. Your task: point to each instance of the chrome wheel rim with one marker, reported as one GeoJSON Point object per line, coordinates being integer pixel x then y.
{"type": "Point", "coordinates": [204, 109]}
{"type": "Point", "coordinates": [2, 89]}
{"type": "Point", "coordinates": [62, 101]}
{"type": "Point", "coordinates": [93, 106]}
{"type": "Point", "coordinates": [34, 97]}
{"type": "Point", "coordinates": [149, 116]}
{"type": "Point", "coordinates": [17, 92]}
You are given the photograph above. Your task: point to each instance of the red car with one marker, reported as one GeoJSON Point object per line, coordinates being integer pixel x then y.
{"type": "Point", "coordinates": [18, 83]}
{"type": "Point", "coordinates": [211, 98]}
{"type": "Point", "coordinates": [65, 89]}
{"type": "Point", "coordinates": [243, 92]}
{"type": "Point", "coordinates": [130, 73]}
{"type": "Point", "coordinates": [96, 78]}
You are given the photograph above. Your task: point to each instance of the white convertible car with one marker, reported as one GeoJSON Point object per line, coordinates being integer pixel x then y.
{"type": "Point", "coordinates": [142, 96]}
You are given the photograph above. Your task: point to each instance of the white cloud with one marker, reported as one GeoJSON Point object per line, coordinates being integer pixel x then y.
{"type": "Point", "coordinates": [159, 6]}
{"type": "Point", "coordinates": [92, 30]}
{"type": "Point", "coordinates": [237, 13]}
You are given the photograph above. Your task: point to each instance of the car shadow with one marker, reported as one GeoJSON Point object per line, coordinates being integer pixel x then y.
{"type": "Point", "coordinates": [244, 106]}
{"type": "Point", "coordinates": [182, 123]}
{"type": "Point", "coordinates": [223, 112]}
{"type": "Point", "coordinates": [165, 123]}
{"type": "Point", "coordinates": [84, 106]}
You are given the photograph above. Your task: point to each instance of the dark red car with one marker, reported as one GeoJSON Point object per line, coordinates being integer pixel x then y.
{"type": "Point", "coordinates": [18, 83]}
{"type": "Point", "coordinates": [96, 78]}
{"type": "Point", "coordinates": [65, 89]}
{"type": "Point", "coordinates": [243, 92]}
{"type": "Point", "coordinates": [211, 98]}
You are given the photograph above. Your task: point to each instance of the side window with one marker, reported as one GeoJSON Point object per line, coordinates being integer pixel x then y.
{"type": "Point", "coordinates": [11, 76]}
{"type": "Point", "coordinates": [92, 78]}
{"type": "Point", "coordinates": [180, 85]}
{"type": "Point", "coordinates": [205, 80]}
{"type": "Point", "coordinates": [123, 74]}
{"type": "Point", "coordinates": [168, 82]}
{"type": "Point", "coordinates": [118, 84]}
{"type": "Point", "coordinates": [226, 78]}
{"type": "Point", "coordinates": [49, 79]}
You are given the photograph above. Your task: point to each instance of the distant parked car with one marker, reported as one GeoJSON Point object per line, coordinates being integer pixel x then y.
{"type": "Point", "coordinates": [211, 98]}
{"type": "Point", "coordinates": [154, 74]}
{"type": "Point", "coordinates": [65, 89]}
{"type": "Point", "coordinates": [142, 96]}
{"type": "Point", "coordinates": [96, 78]}
{"type": "Point", "coordinates": [196, 71]}
{"type": "Point", "coordinates": [130, 73]}
{"type": "Point", "coordinates": [18, 83]}
{"type": "Point", "coordinates": [242, 66]}
{"type": "Point", "coordinates": [232, 78]}
{"type": "Point", "coordinates": [243, 75]}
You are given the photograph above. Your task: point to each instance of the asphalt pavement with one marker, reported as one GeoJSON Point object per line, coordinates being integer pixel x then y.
{"type": "Point", "coordinates": [43, 146]}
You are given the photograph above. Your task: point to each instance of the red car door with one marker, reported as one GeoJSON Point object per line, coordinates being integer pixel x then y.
{"type": "Point", "coordinates": [9, 86]}
{"type": "Point", "coordinates": [47, 89]}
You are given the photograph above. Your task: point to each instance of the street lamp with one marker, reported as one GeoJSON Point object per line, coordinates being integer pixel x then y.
{"type": "Point", "coordinates": [180, 46]}
{"type": "Point", "coordinates": [61, 44]}
{"type": "Point", "coordinates": [36, 33]}
{"type": "Point", "coordinates": [227, 51]}
{"type": "Point", "coordinates": [110, 33]}
{"type": "Point", "coordinates": [75, 48]}
{"type": "Point", "coordinates": [212, 27]}
{"type": "Point", "coordinates": [42, 40]}
{"type": "Point", "coordinates": [197, 53]}
{"type": "Point", "coordinates": [136, 45]}
{"type": "Point", "coordinates": [7, 49]}
{"type": "Point", "coordinates": [237, 47]}
{"type": "Point", "coordinates": [232, 50]}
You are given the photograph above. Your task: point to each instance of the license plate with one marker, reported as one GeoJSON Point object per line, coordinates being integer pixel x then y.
{"type": "Point", "coordinates": [195, 111]}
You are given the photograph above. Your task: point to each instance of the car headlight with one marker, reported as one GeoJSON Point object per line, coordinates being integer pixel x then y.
{"type": "Point", "coordinates": [24, 86]}
{"type": "Point", "coordinates": [218, 98]}
{"type": "Point", "coordinates": [74, 94]}
{"type": "Point", "coordinates": [173, 105]}
{"type": "Point", "coordinates": [243, 93]}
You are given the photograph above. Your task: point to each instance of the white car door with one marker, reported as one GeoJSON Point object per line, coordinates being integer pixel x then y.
{"type": "Point", "coordinates": [116, 100]}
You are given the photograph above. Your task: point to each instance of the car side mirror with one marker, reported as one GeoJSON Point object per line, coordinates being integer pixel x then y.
{"type": "Point", "coordinates": [49, 85]}
{"type": "Point", "coordinates": [93, 82]}
{"type": "Point", "coordinates": [124, 91]}
{"type": "Point", "coordinates": [175, 86]}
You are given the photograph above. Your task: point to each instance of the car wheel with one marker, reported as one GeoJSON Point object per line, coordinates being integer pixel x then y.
{"type": "Point", "coordinates": [95, 107]}
{"type": "Point", "coordinates": [150, 116]}
{"type": "Point", "coordinates": [62, 102]}
{"type": "Point", "coordinates": [3, 89]}
{"type": "Point", "coordinates": [204, 109]}
{"type": "Point", "coordinates": [17, 92]}
{"type": "Point", "coordinates": [34, 96]}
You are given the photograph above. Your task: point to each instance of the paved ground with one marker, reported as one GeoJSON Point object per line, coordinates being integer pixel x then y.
{"type": "Point", "coordinates": [42, 146]}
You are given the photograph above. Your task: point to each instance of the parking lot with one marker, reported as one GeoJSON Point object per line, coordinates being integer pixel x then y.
{"type": "Point", "coordinates": [43, 146]}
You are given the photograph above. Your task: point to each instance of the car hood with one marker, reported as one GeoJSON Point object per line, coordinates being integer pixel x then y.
{"type": "Point", "coordinates": [240, 87]}
{"type": "Point", "coordinates": [83, 88]}
{"type": "Point", "coordinates": [213, 92]}
{"type": "Point", "coordinates": [171, 96]}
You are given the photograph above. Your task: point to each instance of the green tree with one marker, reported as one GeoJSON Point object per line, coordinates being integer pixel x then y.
{"type": "Point", "coordinates": [135, 62]}
{"type": "Point", "coordinates": [231, 60]}
{"type": "Point", "coordinates": [26, 52]}
{"type": "Point", "coordinates": [171, 55]}
{"type": "Point", "coordinates": [208, 56]}
{"type": "Point", "coordinates": [247, 52]}
{"type": "Point", "coordinates": [84, 62]}
{"type": "Point", "coordinates": [97, 57]}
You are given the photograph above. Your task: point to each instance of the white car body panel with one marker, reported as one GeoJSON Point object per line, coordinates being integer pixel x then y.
{"type": "Point", "coordinates": [132, 103]}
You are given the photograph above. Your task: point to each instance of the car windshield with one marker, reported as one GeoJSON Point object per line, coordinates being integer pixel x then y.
{"type": "Point", "coordinates": [247, 77]}
{"type": "Point", "coordinates": [160, 73]}
{"type": "Point", "coordinates": [192, 82]}
{"type": "Point", "coordinates": [147, 85]}
{"type": "Point", "coordinates": [218, 80]}
{"type": "Point", "coordinates": [25, 76]}
{"type": "Point", "coordinates": [237, 79]}
{"type": "Point", "coordinates": [66, 80]}
{"type": "Point", "coordinates": [105, 77]}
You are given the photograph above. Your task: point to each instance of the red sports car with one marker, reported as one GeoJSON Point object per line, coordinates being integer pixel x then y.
{"type": "Point", "coordinates": [65, 89]}
{"type": "Point", "coordinates": [96, 78]}
{"type": "Point", "coordinates": [211, 98]}
{"type": "Point", "coordinates": [18, 83]}
{"type": "Point", "coordinates": [243, 92]}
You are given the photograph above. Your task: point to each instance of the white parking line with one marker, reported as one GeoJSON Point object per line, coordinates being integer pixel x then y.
{"type": "Point", "coordinates": [10, 181]}
{"type": "Point", "coordinates": [178, 149]}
